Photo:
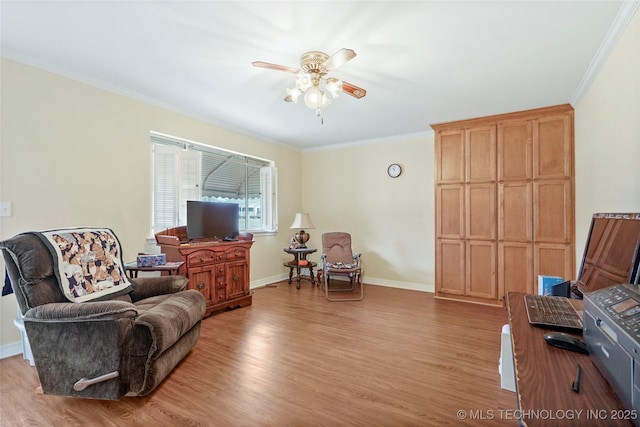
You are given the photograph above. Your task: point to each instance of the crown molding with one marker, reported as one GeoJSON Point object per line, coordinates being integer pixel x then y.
{"type": "Point", "coordinates": [107, 86]}
{"type": "Point", "coordinates": [392, 138]}
{"type": "Point", "coordinates": [625, 14]}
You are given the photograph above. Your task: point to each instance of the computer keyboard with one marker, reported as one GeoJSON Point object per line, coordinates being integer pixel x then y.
{"type": "Point", "coordinates": [552, 312]}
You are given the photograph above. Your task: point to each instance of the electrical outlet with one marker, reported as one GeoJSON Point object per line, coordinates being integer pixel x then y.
{"type": "Point", "coordinates": [5, 209]}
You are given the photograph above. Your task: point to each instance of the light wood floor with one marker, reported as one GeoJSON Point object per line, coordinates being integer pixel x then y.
{"type": "Point", "coordinates": [396, 358]}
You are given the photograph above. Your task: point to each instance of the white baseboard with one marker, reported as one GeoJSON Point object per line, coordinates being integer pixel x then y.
{"type": "Point", "coordinates": [423, 287]}
{"type": "Point", "coordinates": [267, 281]}
{"type": "Point", "coordinates": [10, 350]}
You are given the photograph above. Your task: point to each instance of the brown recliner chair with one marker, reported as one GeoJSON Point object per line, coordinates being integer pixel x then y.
{"type": "Point", "coordinates": [101, 349]}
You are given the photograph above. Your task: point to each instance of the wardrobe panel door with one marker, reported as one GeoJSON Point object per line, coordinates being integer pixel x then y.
{"type": "Point", "coordinates": [514, 151]}
{"type": "Point", "coordinates": [450, 214]}
{"type": "Point", "coordinates": [450, 157]}
{"type": "Point", "coordinates": [552, 147]}
{"type": "Point", "coordinates": [480, 152]}
{"type": "Point", "coordinates": [480, 208]}
{"type": "Point", "coordinates": [450, 267]}
{"type": "Point", "coordinates": [515, 219]}
{"type": "Point", "coordinates": [515, 264]}
{"type": "Point", "coordinates": [553, 260]}
{"type": "Point", "coordinates": [481, 269]}
{"type": "Point", "coordinates": [553, 211]}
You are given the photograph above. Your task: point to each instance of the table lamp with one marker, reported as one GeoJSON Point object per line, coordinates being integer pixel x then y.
{"type": "Point", "coordinates": [301, 221]}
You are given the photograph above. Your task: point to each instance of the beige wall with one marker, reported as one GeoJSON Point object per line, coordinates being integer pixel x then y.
{"type": "Point", "coordinates": [73, 154]}
{"type": "Point", "coordinates": [391, 220]}
{"type": "Point", "coordinates": [607, 134]}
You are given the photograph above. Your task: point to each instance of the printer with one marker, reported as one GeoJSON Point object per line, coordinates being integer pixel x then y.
{"type": "Point", "coordinates": [612, 333]}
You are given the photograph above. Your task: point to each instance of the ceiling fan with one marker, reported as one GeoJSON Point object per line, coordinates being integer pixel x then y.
{"type": "Point", "coordinates": [310, 78]}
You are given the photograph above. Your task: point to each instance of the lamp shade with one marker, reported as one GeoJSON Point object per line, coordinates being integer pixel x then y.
{"type": "Point", "coordinates": [302, 220]}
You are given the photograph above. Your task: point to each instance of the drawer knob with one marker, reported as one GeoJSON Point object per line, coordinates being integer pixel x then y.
{"type": "Point", "coordinates": [201, 285]}
{"type": "Point", "coordinates": [236, 277]}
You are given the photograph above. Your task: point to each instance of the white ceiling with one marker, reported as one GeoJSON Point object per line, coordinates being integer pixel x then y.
{"type": "Point", "coordinates": [421, 62]}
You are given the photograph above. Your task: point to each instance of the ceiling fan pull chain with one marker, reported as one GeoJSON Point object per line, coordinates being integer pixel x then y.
{"type": "Point", "coordinates": [319, 114]}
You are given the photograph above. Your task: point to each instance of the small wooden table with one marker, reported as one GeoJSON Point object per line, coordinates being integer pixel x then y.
{"type": "Point", "coordinates": [299, 262]}
{"type": "Point", "coordinates": [170, 268]}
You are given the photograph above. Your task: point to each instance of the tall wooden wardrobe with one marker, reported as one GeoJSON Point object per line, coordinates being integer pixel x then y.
{"type": "Point", "coordinates": [504, 203]}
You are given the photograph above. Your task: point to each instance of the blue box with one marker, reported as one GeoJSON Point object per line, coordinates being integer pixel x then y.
{"type": "Point", "coordinates": [545, 283]}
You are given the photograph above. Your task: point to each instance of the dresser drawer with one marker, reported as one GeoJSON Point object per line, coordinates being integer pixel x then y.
{"type": "Point", "coordinates": [236, 254]}
{"type": "Point", "coordinates": [220, 271]}
{"type": "Point", "coordinates": [202, 258]}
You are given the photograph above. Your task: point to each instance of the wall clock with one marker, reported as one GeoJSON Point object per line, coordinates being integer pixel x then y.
{"type": "Point", "coordinates": [394, 170]}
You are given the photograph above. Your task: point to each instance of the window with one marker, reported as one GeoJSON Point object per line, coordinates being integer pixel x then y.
{"type": "Point", "coordinates": [184, 170]}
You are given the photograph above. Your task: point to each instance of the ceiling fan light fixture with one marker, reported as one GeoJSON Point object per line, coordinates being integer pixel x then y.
{"type": "Point", "coordinates": [304, 81]}
{"type": "Point", "coordinates": [325, 100]}
{"type": "Point", "coordinates": [294, 94]}
{"type": "Point", "coordinates": [313, 98]}
{"type": "Point", "coordinates": [334, 86]}
{"type": "Point", "coordinates": [316, 99]}
{"type": "Point", "coordinates": [310, 78]}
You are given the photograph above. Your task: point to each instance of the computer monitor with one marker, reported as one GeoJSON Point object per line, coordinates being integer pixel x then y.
{"type": "Point", "coordinates": [612, 252]}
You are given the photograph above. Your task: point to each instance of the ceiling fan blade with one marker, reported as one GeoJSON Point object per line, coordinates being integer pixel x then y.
{"type": "Point", "coordinates": [353, 90]}
{"type": "Point", "coordinates": [276, 67]}
{"type": "Point", "coordinates": [338, 58]}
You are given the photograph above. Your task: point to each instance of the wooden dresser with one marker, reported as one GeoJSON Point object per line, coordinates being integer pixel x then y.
{"type": "Point", "coordinates": [218, 269]}
{"type": "Point", "coordinates": [504, 203]}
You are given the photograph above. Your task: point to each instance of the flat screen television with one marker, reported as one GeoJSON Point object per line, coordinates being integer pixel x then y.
{"type": "Point", "coordinates": [212, 220]}
{"type": "Point", "coordinates": [612, 252]}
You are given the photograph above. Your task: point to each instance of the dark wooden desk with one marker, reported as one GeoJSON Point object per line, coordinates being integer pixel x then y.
{"type": "Point", "coordinates": [544, 375]}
